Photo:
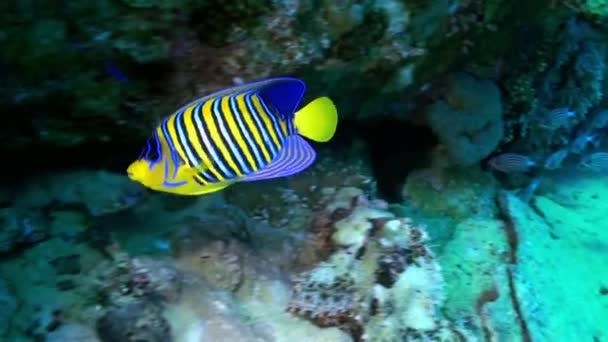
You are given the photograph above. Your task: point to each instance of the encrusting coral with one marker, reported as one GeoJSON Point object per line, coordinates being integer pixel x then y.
{"type": "Point", "coordinates": [381, 283]}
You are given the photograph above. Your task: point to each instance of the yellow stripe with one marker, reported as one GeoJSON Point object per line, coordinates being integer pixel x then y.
{"type": "Point", "coordinates": [266, 120]}
{"type": "Point", "coordinates": [240, 100]}
{"type": "Point", "coordinates": [175, 139]}
{"type": "Point", "coordinates": [216, 138]}
{"type": "Point", "coordinates": [197, 145]}
{"type": "Point", "coordinates": [283, 126]}
{"type": "Point", "coordinates": [234, 129]}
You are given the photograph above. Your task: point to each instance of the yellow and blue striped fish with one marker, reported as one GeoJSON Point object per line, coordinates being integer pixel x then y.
{"type": "Point", "coordinates": [245, 133]}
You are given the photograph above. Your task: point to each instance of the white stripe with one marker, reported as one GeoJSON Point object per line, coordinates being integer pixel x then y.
{"type": "Point", "coordinates": [245, 132]}
{"type": "Point", "coordinates": [255, 115]}
{"type": "Point", "coordinates": [275, 123]}
{"type": "Point", "coordinates": [197, 118]}
{"type": "Point", "coordinates": [218, 117]}
{"type": "Point", "coordinates": [184, 140]}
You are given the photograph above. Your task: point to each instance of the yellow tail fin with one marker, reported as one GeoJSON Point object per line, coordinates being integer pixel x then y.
{"type": "Point", "coordinates": [317, 120]}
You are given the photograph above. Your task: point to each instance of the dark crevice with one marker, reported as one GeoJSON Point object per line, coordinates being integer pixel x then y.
{"type": "Point", "coordinates": [395, 148]}
{"type": "Point", "coordinates": [36, 160]}
{"type": "Point", "coordinates": [513, 241]}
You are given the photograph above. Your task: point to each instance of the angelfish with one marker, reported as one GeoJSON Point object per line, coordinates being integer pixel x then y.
{"type": "Point", "coordinates": [249, 132]}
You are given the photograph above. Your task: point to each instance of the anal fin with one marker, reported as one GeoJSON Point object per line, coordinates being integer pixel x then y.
{"type": "Point", "coordinates": [295, 156]}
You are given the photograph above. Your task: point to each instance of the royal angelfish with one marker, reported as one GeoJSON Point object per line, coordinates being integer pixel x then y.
{"type": "Point", "coordinates": [245, 133]}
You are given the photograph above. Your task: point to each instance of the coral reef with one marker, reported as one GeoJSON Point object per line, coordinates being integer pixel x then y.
{"type": "Point", "coordinates": [126, 63]}
{"type": "Point", "coordinates": [21, 228]}
{"type": "Point", "coordinates": [9, 306]}
{"type": "Point", "coordinates": [80, 189]}
{"type": "Point", "coordinates": [485, 121]}
{"type": "Point", "coordinates": [468, 121]}
{"type": "Point", "coordinates": [380, 283]}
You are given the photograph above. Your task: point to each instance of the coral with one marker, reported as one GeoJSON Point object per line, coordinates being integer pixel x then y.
{"type": "Point", "coordinates": [598, 8]}
{"type": "Point", "coordinates": [9, 306]}
{"type": "Point", "coordinates": [48, 298]}
{"type": "Point", "coordinates": [468, 121]}
{"type": "Point", "coordinates": [218, 262]}
{"type": "Point", "coordinates": [131, 322]}
{"type": "Point", "coordinates": [567, 72]}
{"type": "Point", "coordinates": [72, 332]}
{"type": "Point", "coordinates": [99, 192]}
{"type": "Point", "coordinates": [381, 283]}
{"type": "Point", "coordinates": [21, 228]}
{"type": "Point", "coordinates": [300, 194]}
{"type": "Point", "coordinates": [126, 278]}
{"type": "Point", "coordinates": [583, 52]}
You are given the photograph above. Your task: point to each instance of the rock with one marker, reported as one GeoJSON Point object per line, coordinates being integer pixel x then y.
{"type": "Point", "coordinates": [133, 322]}
{"type": "Point", "coordinates": [72, 332]}
{"type": "Point", "coordinates": [19, 228]}
{"type": "Point", "coordinates": [8, 303]}
{"type": "Point", "coordinates": [559, 270]}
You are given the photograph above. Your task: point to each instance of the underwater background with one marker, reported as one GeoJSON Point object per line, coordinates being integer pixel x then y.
{"type": "Point", "coordinates": [464, 196]}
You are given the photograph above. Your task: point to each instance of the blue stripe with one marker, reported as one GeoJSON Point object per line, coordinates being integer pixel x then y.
{"type": "Point", "coordinates": [159, 151]}
{"type": "Point", "coordinates": [227, 139]}
{"type": "Point", "coordinates": [290, 129]}
{"type": "Point", "coordinates": [179, 123]}
{"type": "Point", "coordinates": [174, 155]}
{"type": "Point", "coordinates": [214, 154]}
{"type": "Point", "coordinates": [275, 124]}
{"type": "Point", "coordinates": [207, 173]}
{"type": "Point", "coordinates": [208, 176]}
{"type": "Point", "coordinates": [295, 157]}
{"type": "Point", "coordinates": [256, 118]}
{"type": "Point", "coordinates": [145, 150]}
{"type": "Point", "coordinates": [170, 184]}
{"type": "Point", "coordinates": [245, 133]}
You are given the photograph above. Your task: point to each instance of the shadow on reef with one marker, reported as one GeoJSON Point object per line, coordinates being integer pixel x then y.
{"type": "Point", "coordinates": [395, 148]}
{"type": "Point", "coordinates": [38, 159]}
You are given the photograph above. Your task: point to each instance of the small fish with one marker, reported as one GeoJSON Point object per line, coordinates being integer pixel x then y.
{"type": "Point", "coordinates": [113, 70]}
{"type": "Point", "coordinates": [162, 245]}
{"type": "Point", "coordinates": [600, 120]}
{"type": "Point", "coordinates": [529, 191]}
{"type": "Point", "coordinates": [557, 118]}
{"type": "Point", "coordinates": [580, 144]}
{"type": "Point", "coordinates": [249, 132]}
{"type": "Point", "coordinates": [597, 162]}
{"type": "Point", "coordinates": [555, 160]}
{"type": "Point", "coordinates": [512, 162]}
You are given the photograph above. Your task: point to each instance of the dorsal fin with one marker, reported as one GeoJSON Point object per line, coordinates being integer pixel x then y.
{"type": "Point", "coordinates": [260, 84]}
{"type": "Point", "coordinates": [284, 95]}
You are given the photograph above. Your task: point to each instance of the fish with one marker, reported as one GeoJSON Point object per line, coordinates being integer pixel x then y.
{"type": "Point", "coordinates": [555, 159]}
{"type": "Point", "coordinates": [597, 161]}
{"type": "Point", "coordinates": [528, 192]}
{"type": "Point", "coordinates": [580, 144]}
{"type": "Point", "coordinates": [115, 72]}
{"type": "Point", "coordinates": [512, 163]}
{"type": "Point", "coordinates": [600, 120]}
{"type": "Point", "coordinates": [250, 132]}
{"type": "Point", "coordinates": [557, 118]}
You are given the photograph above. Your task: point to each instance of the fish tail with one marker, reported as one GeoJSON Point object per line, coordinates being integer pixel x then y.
{"type": "Point", "coordinates": [317, 120]}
